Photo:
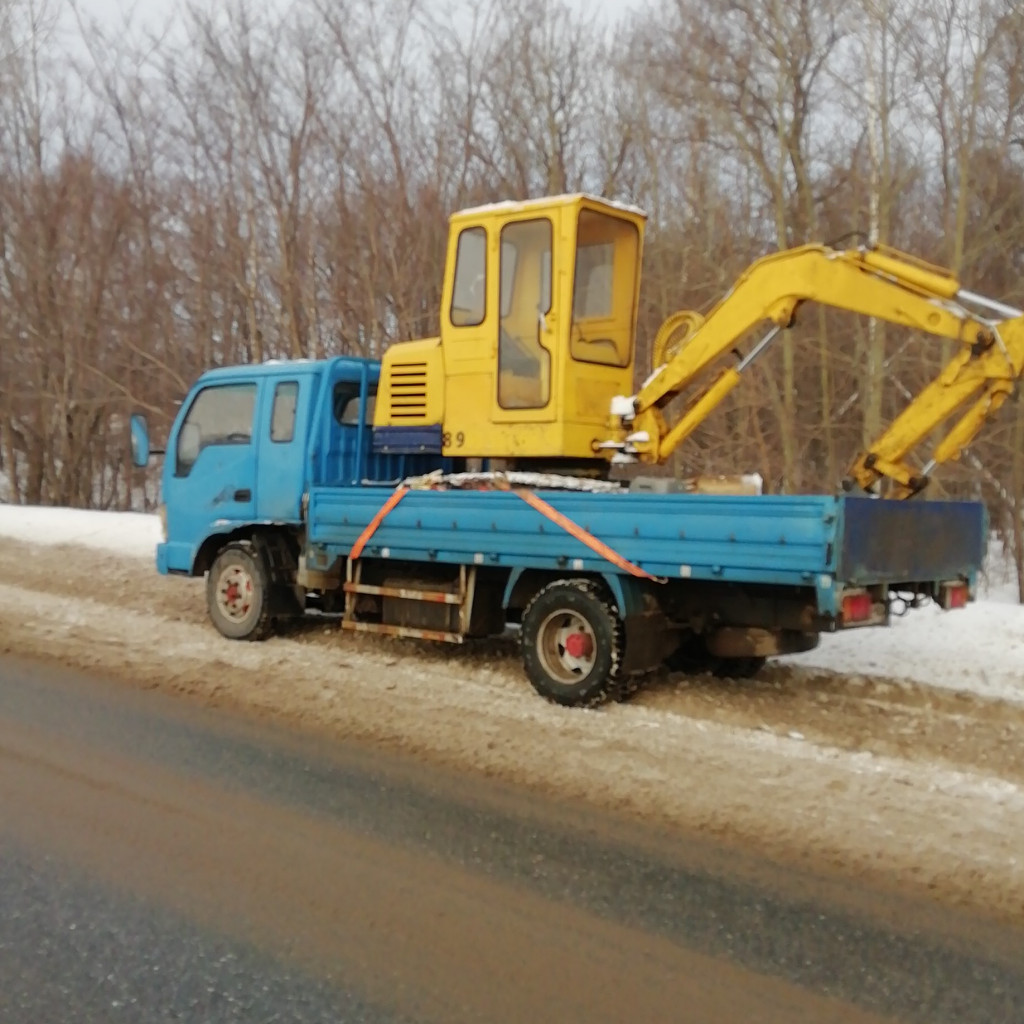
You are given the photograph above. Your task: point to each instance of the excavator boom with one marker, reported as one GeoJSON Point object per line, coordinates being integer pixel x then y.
{"type": "Point", "coordinates": [876, 282]}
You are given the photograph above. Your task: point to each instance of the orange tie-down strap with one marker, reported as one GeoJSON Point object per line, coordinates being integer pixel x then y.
{"type": "Point", "coordinates": [371, 527]}
{"type": "Point", "coordinates": [574, 530]}
{"type": "Point", "coordinates": [531, 499]}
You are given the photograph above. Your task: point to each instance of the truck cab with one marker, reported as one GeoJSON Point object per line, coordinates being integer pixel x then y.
{"type": "Point", "coordinates": [249, 441]}
{"type": "Point", "coordinates": [538, 333]}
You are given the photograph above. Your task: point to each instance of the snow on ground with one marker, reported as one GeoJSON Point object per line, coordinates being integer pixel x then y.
{"type": "Point", "coordinates": [127, 533]}
{"type": "Point", "coordinates": [979, 649]}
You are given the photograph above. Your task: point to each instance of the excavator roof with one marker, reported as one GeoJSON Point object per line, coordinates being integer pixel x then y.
{"type": "Point", "coordinates": [573, 199]}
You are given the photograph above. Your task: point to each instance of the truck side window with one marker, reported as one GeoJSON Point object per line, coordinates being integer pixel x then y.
{"type": "Point", "coordinates": [469, 291]}
{"type": "Point", "coordinates": [524, 364]}
{"type": "Point", "coordinates": [604, 289]}
{"type": "Point", "coordinates": [282, 416]}
{"type": "Point", "coordinates": [345, 404]}
{"type": "Point", "coordinates": [219, 415]}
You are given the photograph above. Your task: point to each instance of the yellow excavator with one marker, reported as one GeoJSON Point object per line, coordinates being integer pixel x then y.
{"type": "Point", "coordinates": [534, 365]}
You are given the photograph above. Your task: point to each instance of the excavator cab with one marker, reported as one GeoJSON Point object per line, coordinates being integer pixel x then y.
{"type": "Point", "coordinates": [538, 334]}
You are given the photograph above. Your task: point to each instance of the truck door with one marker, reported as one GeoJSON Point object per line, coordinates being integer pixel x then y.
{"type": "Point", "coordinates": [210, 473]}
{"type": "Point", "coordinates": [282, 443]}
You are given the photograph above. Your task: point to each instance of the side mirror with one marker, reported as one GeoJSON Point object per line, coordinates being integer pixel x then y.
{"type": "Point", "coordinates": [140, 440]}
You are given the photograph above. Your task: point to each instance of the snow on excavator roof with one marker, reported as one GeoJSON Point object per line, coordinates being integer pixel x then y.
{"type": "Point", "coordinates": [513, 205]}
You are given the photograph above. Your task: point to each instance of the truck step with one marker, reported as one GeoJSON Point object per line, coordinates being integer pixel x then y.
{"type": "Point", "coordinates": [391, 630]}
{"type": "Point", "coordinates": [429, 623]}
{"type": "Point", "coordinates": [438, 596]}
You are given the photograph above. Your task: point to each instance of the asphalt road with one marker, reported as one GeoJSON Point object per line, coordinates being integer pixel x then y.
{"type": "Point", "coordinates": [165, 862]}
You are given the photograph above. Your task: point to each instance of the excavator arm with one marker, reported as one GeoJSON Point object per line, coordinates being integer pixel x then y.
{"type": "Point", "coordinates": [876, 282]}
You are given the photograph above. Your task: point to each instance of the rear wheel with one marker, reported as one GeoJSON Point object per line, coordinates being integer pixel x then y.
{"type": "Point", "coordinates": [572, 644]}
{"type": "Point", "coordinates": [237, 590]}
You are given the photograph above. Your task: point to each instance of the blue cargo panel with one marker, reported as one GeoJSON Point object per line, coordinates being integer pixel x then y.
{"type": "Point", "coordinates": [910, 541]}
{"type": "Point", "coordinates": [756, 539]}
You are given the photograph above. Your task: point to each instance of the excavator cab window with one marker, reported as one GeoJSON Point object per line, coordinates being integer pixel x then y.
{"type": "Point", "coordinates": [604, 289]}
{"type": "Point", "coordinates": [469, 295]}
{"type": "Point", "coordinates": [524, 364]}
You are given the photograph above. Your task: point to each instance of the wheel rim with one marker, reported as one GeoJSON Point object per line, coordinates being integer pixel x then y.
{"type": "Point", "coordinates": [567, 647]}
{"type": "Point", "coordinates": [234, 593]}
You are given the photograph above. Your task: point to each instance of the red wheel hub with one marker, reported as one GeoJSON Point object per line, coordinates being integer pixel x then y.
{"type": "Point", "coordinates": [579, 645]}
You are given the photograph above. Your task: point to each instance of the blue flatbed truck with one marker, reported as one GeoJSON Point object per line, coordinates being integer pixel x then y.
{"type": "Point", "coordinates": [274, 489]}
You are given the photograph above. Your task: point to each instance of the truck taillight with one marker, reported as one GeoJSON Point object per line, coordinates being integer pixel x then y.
{"type": "Point", "coordinates": [857, 607]}
{"type": "Point", "coordinates": [955, 595]}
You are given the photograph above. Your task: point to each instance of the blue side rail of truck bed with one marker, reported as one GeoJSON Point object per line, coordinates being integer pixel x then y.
{"type": "Point", "coordinates": [806, 541]}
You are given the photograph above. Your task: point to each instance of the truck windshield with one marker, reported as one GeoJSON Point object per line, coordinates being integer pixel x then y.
{"type": "Point", "coordinates": [220, 414]}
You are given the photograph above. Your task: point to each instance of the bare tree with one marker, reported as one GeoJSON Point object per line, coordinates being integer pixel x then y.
{"type": "Point", "coordinates": [751, 79]}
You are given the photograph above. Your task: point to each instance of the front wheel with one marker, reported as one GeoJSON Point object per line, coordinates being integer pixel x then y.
{"type": "Point", "coordinates": [237, 590]}
{"type": "Point", "coordinates": [572, 644]}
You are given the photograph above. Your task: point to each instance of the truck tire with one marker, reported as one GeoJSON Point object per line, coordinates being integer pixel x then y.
{"type": "Point", "coordinates": [572, 641]}
{"type": "Point", "coordinates": [237, 592]}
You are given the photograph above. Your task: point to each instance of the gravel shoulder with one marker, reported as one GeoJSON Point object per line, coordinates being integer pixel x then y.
{"type": "Point", "coordinates": [910, 786]}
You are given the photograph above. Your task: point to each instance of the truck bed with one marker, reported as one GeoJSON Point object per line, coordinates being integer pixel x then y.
{"type": "Point", "coordinates": [796, 540]}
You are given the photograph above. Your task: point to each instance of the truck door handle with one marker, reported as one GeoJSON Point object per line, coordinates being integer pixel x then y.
{"type": "Point", "coordinates": [243, 495]}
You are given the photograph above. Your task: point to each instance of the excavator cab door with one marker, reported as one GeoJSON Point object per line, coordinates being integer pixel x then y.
{"type": "Point", "coordinates": [528, 322]}
{"type": "Point", "coordinates": [500, 331]}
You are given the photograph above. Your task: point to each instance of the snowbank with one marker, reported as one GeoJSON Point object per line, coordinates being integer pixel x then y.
{"type": "Point", "coordinates": [127, 533]}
